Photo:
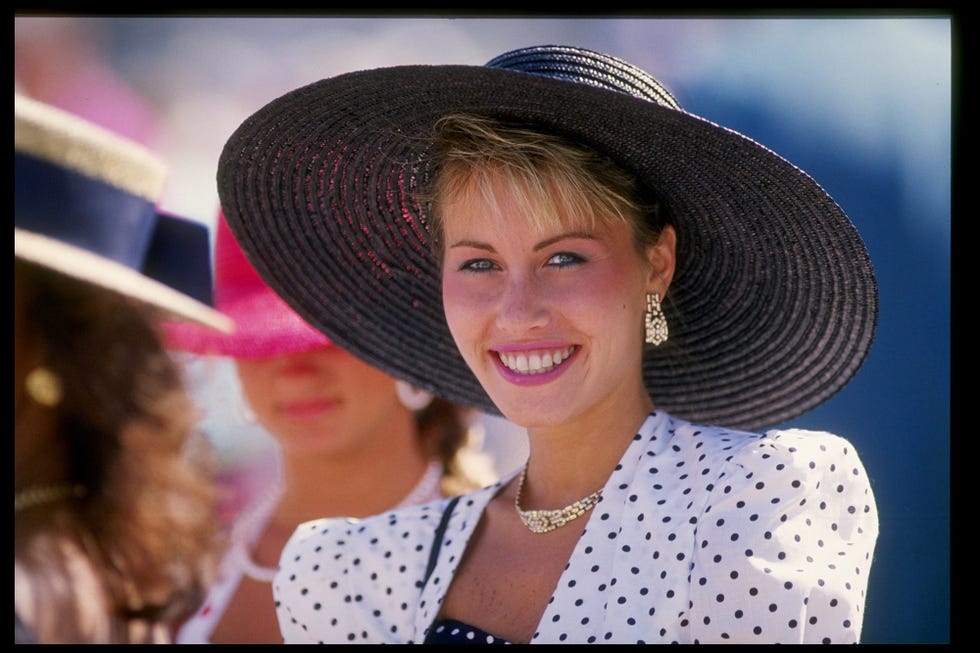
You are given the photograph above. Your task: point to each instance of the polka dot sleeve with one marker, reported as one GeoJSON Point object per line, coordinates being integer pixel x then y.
{"type": "Point", "coordinates": [333, 572]}
{"type": "Point", "coordinates": [784, 544]}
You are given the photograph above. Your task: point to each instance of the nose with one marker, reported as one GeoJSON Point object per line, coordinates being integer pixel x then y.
{"type": "Point", "coordinates": [522, 305]}
{"type": "Point", "coordinates": [300, 364]}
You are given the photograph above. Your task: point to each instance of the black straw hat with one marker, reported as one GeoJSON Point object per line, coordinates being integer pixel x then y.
{"type": "Point", "coordinates": [774, 302]}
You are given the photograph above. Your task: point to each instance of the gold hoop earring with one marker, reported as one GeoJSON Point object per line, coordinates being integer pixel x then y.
{"type": "Point", "coordinates": [655, 321]}
{"type": "Point", "coordinates": [43, 386]}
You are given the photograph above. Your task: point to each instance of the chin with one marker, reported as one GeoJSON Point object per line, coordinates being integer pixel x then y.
{"type": "Point", "coordinates": [530, 413]}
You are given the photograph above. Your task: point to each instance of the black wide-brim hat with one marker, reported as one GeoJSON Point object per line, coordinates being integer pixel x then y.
{"type": "Point", "coordinates": [773, 305]}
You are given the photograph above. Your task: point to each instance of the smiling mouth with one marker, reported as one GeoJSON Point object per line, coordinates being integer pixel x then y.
{"type": "Point", "coordinates": [534, 362]}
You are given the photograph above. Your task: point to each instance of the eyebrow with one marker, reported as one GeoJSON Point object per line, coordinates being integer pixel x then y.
{"type": "Point", "coordinates": [539, 246]}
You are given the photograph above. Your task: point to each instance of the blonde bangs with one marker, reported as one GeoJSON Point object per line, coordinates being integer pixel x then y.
{"type": "Point", "coordinates": [556, 183]}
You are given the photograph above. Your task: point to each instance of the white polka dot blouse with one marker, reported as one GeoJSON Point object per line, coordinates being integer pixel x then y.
{"type": "Point", "coordinates": [703, 535]}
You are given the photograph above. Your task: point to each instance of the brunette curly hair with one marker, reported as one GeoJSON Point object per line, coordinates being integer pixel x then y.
{"type": "Point", "coordinates": [146, 524]}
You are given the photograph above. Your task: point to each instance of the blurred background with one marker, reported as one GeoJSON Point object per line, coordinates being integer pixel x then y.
{"type": "Point", "coordinates": [864, 105]}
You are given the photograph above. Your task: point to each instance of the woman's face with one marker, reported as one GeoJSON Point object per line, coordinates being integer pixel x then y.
{"type": "Point", "coordinates": [321, 401]}
{"type": "Point", "coordinates": [550, 322]}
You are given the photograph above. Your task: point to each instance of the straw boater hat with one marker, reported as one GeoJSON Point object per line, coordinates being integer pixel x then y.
{"type": "Point", "coordinates": [85, 206]}
{"type": "Point", "coordinates": [265, 325]}
{"type": "Point", "coordinates": [774, 302]}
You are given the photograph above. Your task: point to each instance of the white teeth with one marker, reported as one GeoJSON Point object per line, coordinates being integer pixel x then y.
{"type": "Point", "coordinates": [534, 362]}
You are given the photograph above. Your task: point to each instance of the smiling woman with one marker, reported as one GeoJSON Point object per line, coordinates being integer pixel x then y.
{"type": "Point", "coordinates": [552, 238]}
{"type": "Point", "coordinates": [533, 269]}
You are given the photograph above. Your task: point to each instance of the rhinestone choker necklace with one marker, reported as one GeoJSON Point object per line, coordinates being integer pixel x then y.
{"type": "Point", "coordinates": [543, 521]}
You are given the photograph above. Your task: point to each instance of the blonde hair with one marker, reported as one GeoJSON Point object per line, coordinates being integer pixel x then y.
{"type": "Point", "coordinates": [551, 177]}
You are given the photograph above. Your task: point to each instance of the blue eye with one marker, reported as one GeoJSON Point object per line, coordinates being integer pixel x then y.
{"type": "Point", "coordinates": [565, 259]}
{"type": "Point", "coordinates": [476, 265]}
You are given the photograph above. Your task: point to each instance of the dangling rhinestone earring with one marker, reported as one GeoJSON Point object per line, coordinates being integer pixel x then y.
{"type": "Point", "coordinates": [43, 386]}
{"type": "Point", "coordinates": [412, 398]}
{"type": "Point", "coordinates": [655, 321]}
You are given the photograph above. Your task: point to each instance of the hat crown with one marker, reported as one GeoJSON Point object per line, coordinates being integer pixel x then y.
{"type": "Point", "coordinates": [234, 277]}
{"type": "Point", "coordinates": [73, 143]}
{"type": "Point", "coordinates": [265, 325]}
{"type": "Point", "coordinates": [586, 67]}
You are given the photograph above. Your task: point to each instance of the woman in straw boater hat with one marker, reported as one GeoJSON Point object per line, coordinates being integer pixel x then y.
{"type": "Point", "coordinates": [552, 237]}
{"type": "Point", "coordinates": [113, 506]}
{"type": "Point", "coordinates": [350, 440]}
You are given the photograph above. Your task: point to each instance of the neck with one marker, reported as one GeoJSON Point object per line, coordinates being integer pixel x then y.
{"type": "Point", "coordinates": [571, 460]}
{"type": "Point", "coordinates": [352, 487]}
{"type": "Point", "coordinates": [259, 559]}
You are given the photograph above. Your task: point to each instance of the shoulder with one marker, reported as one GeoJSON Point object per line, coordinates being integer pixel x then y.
{"type": "Point", "coordinates": [791, 465]}
{"type": "Point", "coordinates": [789, 528]}
{"type": "Point", "coordinates": [366, 573]}
{"type": "Point", "coordinates": [809, 456]}
{"type": "Point", "coordinates": [778, 474]}
{"type": "Point", "coordinates": [404, 534]}
{"type": "Point", "coordinates": [386, 534]}
{"type": "Point", "coordinates": [809, 452]}
{"type": "Point", "coordinates": [337, 550]}
{"type": "Point", "coordinates": [58, 589]}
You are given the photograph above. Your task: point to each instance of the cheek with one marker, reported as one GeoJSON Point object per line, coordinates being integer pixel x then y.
{"type": "Point", "coordinates": [466, 308]}
{"type": "Point", "coordinates": [461, 306]}
{"type": "Point", "coordinates": [249, 374]}
{"type": "Point", "coordinates": [362, 378]}
{"type": "Point", "coordinates": [607, 289]}
{"type": "Point", "coordinates": [607, 305]}
{"type": "Point", "coordinates": [255, 379]}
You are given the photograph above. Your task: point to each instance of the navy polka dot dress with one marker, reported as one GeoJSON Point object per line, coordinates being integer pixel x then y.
{"type": "Point", "coordinates": [703, 535]}
{"type": "Point", "coordinates": [451, 631]}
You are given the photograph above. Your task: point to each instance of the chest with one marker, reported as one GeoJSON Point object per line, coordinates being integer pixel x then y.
{"type": "Point", "coordinates": [508, 575]}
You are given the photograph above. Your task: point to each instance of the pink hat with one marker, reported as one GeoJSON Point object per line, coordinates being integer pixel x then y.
{"type": "Point", "coordinates": [264, 324]}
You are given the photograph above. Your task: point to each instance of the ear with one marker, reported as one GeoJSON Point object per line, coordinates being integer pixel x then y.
{"type": "Point", "coordinates": [662, 257]}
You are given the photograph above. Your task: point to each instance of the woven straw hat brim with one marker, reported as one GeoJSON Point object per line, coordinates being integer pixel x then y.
{"type": "Point", "coordinates": [774, 302]}
{"type": "Point", "coordinates": [85, 206]}
{"type": "Point", "coordinates": [84, 265]}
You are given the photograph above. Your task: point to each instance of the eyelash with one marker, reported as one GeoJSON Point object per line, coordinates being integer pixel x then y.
{"type": "Point", "coordinates": [476, 265]}
{"type": "Point", "coordinates": [481, 265]}
{"type": "Point", "coordinates": [569, 259]}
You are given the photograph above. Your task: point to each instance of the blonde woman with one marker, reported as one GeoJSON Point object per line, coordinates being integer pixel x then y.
{"type": "Point", "coordinates": [553, 237]}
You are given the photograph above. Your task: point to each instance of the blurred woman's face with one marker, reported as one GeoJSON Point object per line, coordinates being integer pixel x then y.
{"type": "Point", "coordinates": [322, 400]}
